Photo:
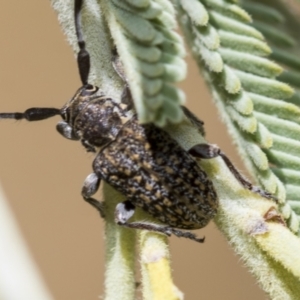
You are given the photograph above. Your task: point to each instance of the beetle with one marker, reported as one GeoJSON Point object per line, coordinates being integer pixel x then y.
{"type": "Point", "coordinates": [141, 161]}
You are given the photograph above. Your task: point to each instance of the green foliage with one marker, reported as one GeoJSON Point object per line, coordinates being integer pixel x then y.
{"type": "Point", "coordinates": [278, 24]}
{"type": "Point", "coordinates": [261, 113]}
{"type": "Point", "coordinates": [151, 52]}
{"type": "Point", "coordinates": [241, 70]}
{"type": "Point", "coordinates": [264, 122]}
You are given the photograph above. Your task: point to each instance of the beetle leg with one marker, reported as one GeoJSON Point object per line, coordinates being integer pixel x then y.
{"type": "Point", "coordinates": [88, 146]}
{"type": "Point", "coordinates": [117, 64]}
{"type": "Point", "coordinates": [194, 120]}
{"type": "Point", "coordinates": [126, 97]}
{"type": "Point", "coordinates": [186, 234]}
{"type": "Point", "coordinates": [207, 151]}
{"type": "Point", "coordinates": [67, 131]}
{"type": "Point", "coordinates": [125, 210]}
{"type": "Point", "coordinates": [90, 187]}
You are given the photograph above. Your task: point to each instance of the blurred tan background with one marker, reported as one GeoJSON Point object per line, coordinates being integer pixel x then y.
{"type": "Point", "coordinates": [42, 173]}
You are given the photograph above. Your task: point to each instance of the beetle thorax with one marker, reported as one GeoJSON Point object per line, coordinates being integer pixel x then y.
{"type": "Point", "coordinates": [96, 119]}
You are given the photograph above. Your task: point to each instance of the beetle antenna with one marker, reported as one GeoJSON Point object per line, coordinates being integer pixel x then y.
{"type": "Point", "coordinates": [83, 60]}
{"type": "Point", "coordinates": [32, 114]}
{"type": "Point", "coordinates": [83, 57]}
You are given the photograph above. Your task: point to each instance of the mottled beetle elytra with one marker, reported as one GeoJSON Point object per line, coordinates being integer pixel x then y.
{"type": "Point", "coordinates": [142, 162]}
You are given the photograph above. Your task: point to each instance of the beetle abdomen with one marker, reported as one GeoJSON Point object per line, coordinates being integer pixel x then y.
{"type": "Point", "coordinates": [151, 169]}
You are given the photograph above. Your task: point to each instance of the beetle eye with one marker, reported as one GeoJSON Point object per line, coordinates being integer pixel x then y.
{"type": "Point", "coordinates": [89, 90]}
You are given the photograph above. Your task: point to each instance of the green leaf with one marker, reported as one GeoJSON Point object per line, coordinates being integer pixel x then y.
{"type": "Point", "coordinates": [255, 106]}
{"type": "Point", "coordinates": [137, 26]}
{"type": "Point", "coordinates": [269, 130]}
